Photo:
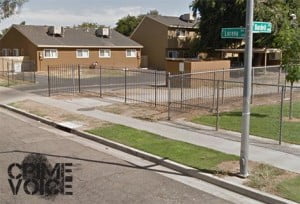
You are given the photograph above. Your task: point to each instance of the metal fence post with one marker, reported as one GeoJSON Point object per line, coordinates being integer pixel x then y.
{"type": "Point", "coordinates": [79, 79]}
{"type": "Point", "coordinates": [281, 114]}
{"type": "Point", "coordinates": [223, 86]}
{"type": "Point", "coordinates": [155, 91]}
{"type": "Point", "coordinates": [169, 96]}
{"type": "Point", "coordinates": [291, 102]}
{"type": "Point", "coordinates": [217, 109]}
{"type": "Point", "coordinates": [181, 90]}
{"type": "Point", "coordinates": [252, 86]}
{"type": "Point", "coordinates": [73, 79]}
{"type": "Point", "coordinates": [279, 79]}
{"type": "Point", "coordinates": [49, 87]}
{"type": "Point", "coordinates": [7, 74]}
{"type": "Point", "coordinates": [100, 81]}
{"type": "Point", "coordinates": [214, 91]}
{"type": "Point", "coordinates": [125, 85]}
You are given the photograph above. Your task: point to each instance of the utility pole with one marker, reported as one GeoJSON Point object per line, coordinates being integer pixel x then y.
{"type": "Point", "coordinates": [247, 90]}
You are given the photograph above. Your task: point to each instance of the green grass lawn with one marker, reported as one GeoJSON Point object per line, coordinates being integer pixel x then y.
{"type": "Point", "coordinates": [264, 122]}
{"type": "Point", "coordinates": [198, 157]}
{"type": "Point", "coordinates": [290, 189]}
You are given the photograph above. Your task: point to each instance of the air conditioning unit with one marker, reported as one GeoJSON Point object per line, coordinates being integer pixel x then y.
{"type": "Point", "coordinates": [275, 56]}
{"type": "Point", "coordinates": [56, 30]}
{"type": "Point", "coordinates": [188, 17]}
{"type": "Point", "coordinates": [103, 32]}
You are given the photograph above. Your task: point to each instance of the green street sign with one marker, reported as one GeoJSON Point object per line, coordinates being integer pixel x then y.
{"type": "Point", "coordinates": [233, 33]}
{"type": "Point", "coordinates": [262, 27]}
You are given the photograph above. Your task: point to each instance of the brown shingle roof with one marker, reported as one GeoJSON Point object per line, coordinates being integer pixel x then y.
{"type": "Point", "coordinates": [172, 21]}
{"type": "Point", "coordinates": [74, 38]}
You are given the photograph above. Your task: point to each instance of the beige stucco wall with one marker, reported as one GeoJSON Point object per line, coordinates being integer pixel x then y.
{"type": "Point", "coordinates": [154, 37]}
{"type": "Point", "coordinates": [118, 58]}
{"type": "Point", "coordinates": [199, 66]}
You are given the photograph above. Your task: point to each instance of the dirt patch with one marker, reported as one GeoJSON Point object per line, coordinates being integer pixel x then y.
{"type": "Point", "coordinates": [266, 178]}
{"type": "Point", "coordinates": [262, 177]}
{"type": "Point", "coordinates": [233, 167]}
{"type": "Point", "coordinates": [139, 111]}
{"type": "Point", "coordinates": [59, 115]}
{"type": "Point", "coordinates": [293, 120]}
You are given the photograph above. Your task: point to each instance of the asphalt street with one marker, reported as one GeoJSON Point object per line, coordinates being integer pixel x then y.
{"type": "Point", "coordinates": [99, 176]}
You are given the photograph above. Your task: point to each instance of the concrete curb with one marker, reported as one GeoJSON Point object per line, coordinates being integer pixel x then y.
{"type": "Point", "coordinates": [240, 189]}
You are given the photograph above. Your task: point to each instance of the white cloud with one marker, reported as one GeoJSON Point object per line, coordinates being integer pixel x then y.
{"type": "Point", "coordinates": [67, 17]}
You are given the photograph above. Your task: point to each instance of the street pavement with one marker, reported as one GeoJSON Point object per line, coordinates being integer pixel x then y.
{"type": "Point", "coordinates": [266, 151]}
{"type": "Point", "coordinates": [100, 174]}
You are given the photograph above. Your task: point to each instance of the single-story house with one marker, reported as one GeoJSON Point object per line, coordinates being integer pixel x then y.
{"type": "Point", "coordinates": [52, 45]}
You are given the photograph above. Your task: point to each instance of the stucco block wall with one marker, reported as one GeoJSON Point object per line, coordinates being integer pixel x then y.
{"type": "Point", "coordinates": [197, 80]}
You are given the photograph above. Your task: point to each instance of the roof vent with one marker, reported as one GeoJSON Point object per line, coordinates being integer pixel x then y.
{"type": "Point", "coordinates": [103, 32]}
{"type": "Point", "coordinates": [188, 17]}
{"type": "Point", "coordinates": [56, 30]}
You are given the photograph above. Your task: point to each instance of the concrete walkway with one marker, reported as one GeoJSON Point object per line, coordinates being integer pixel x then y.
{"type": "Point", "coordinates": [182, 132]}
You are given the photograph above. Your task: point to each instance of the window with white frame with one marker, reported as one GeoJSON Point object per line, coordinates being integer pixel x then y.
{"type": "Point", "coordinates": [82, 53]}
{"type": "Point", "coordinates": [172, 54]}
{"type": "Point", "coordinates": [50, 53]}
{"type": "Point", "coordinates": [16, 52]}
{"type": "Point", "coordinates": [131, 53]}
{"type": "Point", "coordinates": [104, 53]}
{"type": "Point", "coordinates": [5, 52]}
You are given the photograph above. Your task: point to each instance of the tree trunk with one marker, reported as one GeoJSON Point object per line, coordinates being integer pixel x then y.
{"type": "Point", "coordinates": [291, 102]}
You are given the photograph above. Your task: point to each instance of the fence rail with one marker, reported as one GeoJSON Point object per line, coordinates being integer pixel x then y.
{"type": "Point", "coordinates": [213, 91]}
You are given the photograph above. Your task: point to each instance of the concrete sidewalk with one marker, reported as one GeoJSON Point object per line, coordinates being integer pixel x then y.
{"type": "Point", "coordinates": [278, 157]}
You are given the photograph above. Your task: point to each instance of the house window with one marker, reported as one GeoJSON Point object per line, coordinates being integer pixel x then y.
{"type": "Point", "coordinates": [172, 54]}
{"type": "Point", "coordinates": [131, 53]}
{"type": "Point", "coordinates": [82, 53]}
{"type": "Point", "coordinates": [50, 53]}
{"type": "Point", "coordinates": [105, 53]}
{"type": "Point", "coordinates": [5, 52]}
{"type": "Point", "coordinates": [16, 52]}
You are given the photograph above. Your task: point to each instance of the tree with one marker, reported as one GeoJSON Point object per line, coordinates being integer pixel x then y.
{"type": "Point", "coordinates": [10, 7]}
{"type": "Point", "coordinates": [127, 24]}
{"type": "Point", "coordinates": [217, 14]}
{"type": "Point", "coordinates": [87, 25]}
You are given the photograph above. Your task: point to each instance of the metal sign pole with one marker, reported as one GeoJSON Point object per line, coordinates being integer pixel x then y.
{"type": "Point", "coordinates": [247, 91]}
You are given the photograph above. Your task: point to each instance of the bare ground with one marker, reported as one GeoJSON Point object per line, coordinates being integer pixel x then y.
{"type": "Point", "coordinates": [262, 176]}
{"type": "Point", "coordinates": [59, 115]}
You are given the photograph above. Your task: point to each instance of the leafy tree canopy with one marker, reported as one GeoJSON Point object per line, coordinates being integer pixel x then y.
{"type": "Point", "coordinates": [217, 14]}
{"type": "Point", "coordinates": [10, 7]}
{"type": "Point", "coordinates": [127, 24]}
{"type": "Point", "coordinates": [87, 25]}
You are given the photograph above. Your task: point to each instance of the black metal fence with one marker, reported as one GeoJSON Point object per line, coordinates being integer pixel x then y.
{"type": "Point", "coordinates": [129, 85]}
{"type": "Point", "coordinates": [215, 91]}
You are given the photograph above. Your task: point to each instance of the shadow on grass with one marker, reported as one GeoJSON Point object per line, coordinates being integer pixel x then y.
{"type": "Point", "coordinates": [239, 114]}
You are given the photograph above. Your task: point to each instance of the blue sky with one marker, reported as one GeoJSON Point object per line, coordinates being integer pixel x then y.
{"type": "Point", "coordinates": [107, 12]}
